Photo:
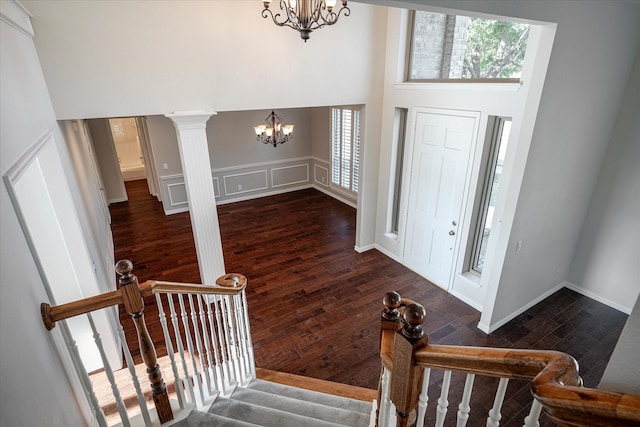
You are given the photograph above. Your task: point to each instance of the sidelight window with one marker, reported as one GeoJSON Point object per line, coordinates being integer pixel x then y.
{"type": "Point", "coordinates": [493, 176]}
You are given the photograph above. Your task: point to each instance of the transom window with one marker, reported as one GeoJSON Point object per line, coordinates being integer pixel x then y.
{"type": "Point", "coordinates": [461, 47]}
{"type": "Point", "coordinates": [345, 148]}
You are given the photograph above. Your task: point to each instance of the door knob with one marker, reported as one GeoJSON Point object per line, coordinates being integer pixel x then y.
{"type": "Point", "coordinates": [451, 233]}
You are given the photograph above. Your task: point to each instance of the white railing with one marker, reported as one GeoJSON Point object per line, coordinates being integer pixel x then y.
{"type": "Point", "coordinates": [413, 369]}
{"type": "Point", "coordinates": [437, 416]}
{"type": "Point", "coordinates": [207, 339]}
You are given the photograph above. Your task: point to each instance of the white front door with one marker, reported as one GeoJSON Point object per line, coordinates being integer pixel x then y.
{"type": "Point", "coordinates": [442, 142]}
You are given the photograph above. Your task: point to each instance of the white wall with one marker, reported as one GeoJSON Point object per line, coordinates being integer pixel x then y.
{"type": "Point", "coordinates": [30, 366]}
{"type": "Point", "coordinates": [594, 49]}
{"type": "Point", "coordinates": [232, 140]}
{"type": "Point", "coordinates": [156, 58]}
{"type": "Point", "coordinates": [607, 255]}
{"type": "Point", "coordinates": [107, 160]}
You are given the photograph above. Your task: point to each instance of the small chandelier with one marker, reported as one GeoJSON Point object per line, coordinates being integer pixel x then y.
{"type": "Point", "coordinates": [273, 132]}
{"type": "Point", "coordinates": [306, 15]}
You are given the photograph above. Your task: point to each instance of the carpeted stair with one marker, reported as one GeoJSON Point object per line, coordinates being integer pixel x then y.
{"type": "Point", "coordinates": [268, 404]}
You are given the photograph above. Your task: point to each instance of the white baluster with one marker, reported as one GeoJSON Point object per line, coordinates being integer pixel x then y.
{"type": "Point", "coordinates": [218, 375]}
{"type": "Point", "coordinates": [533, 419]}
{"type": "Point", "coordinates": [230, 337]}
{"type": "Point", "coordinates": [205, 337]}
{"type": "Point", "coordinates": [109, 372]}
{"type": "Point", "coordinates": [247, 328]}
{"type": "Point", "coordinates": [423, 400]}
{"type": "Point", "coordinates": [187, 333]}
{"type": "Point", "coordinates": [224, 355]}
{"type": "Point", "coordinates": [196, 332]}
{"type": "Point", "coordinates": [176, 330]}
{"type": "Point", "coordinates": [134, 377]}
{"type": "Point", "coordinates": [494, 413]}
{"type": "Point", "coordinates": [234, 331]}
{"type": "Point", "coordinates": [443, 401]}
{"type": "Point", "coordinates": [83, 376]}
{"type": "Point", "coordinates": [385, 401]}
{"type": "Point", "coordinates": [170, 351]}
{"type": "Point", "coordinates": [242, 342]}
{"type": "Point", "coordinates": [233, 368]}
{"type": "Point", "coordinates": [464, 408]}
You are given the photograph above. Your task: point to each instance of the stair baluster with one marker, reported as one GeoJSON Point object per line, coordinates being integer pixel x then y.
{"type": "Point", "coordinates": [533, 419]}
{"type": "Point", "coordinates": [443, 401]}
{"type": "Point", "coordinates": [242, 341]}
{"type": "Point", "coordinates": [224, 355]}
{"type": "Point", "coordinates": [204, 377]}
{"type": "Point", "coordinates": [134, 377]}
{"type": "Point", "coordinates": [494, 413]}
{"type": "Point", "coordinates": [229, 342]}
{"type": "Point", "coordinates": [247, 331]}
{"type": "Point", "coordinates": [423, 400]}
{"type": "Point", "coordinates": [217, 366]}
{"type": "Point", "coordinates": [464, 408]}
{"type": "Point", "coordinates": [80, 369]}
{"type": "Point", "coordinates": [109, 373]}
{"type": "Point", "coordinates": [176, 329]}
{"type": "Point", "coordinates": [209, 370]}
{"type": "Point", "coordinates": [170, 351]}
{"type": "Point", "coordinates": [199, 394]}
{"type": "Point", "coordinates": [134, 304]}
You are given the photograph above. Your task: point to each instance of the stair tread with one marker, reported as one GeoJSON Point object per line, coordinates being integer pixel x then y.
{"type": "Point", "coordinates": [264, 416]}
{"type": "Point", "coordinates": [306, 408]}
{"type": "Point", "coordinates": [312, 396]}
{"type": "Point", "coordinates": [204, 419]}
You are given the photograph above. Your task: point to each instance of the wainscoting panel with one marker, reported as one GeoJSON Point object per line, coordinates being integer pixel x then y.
{"type": "Point", "coordinates": [245, 182]}
{"type": "Point", "coordinates": [289, 175]}
{"type": "Point", "coordinates": [174, 194]}
{"type": "Point", "coordinates": [320, 175]}
{"type": "Point", "coordinates": [216, 186]}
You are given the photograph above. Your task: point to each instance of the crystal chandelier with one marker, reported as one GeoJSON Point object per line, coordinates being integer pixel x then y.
{"type": "Point", "coordinates": [306, 15]}
{"type": "Point", "coordinates": [273, 132]}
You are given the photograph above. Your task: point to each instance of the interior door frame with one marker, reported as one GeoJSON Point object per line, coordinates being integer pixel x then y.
{"type": "Point", "coordinates": [149, 159]}
{"type": "Point", "coordinates": [471, 176]}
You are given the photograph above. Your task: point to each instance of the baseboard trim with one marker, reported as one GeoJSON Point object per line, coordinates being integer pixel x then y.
{"type": "Point", "coordinates": [361, 249]}
{"type": "Point", "coordinates": [487, 329]}
{"type": "Point", "coordinates": [466, 300]}
{"type": "Point", "coordinates": [597, 297]}
{"type": "Point", "coordinates": [261, 195]}
{"type": "Point", "coordinates": [118, 200]}
{"type": "Point", "coordinates": [335, 196]}
{"type": "Point", "coordinates": [389, 254]}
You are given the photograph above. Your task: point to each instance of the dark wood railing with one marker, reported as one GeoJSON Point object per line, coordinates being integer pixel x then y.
{"type": "Point", "coordinates": [130, 294]}
{"type": "Point", "coordinates": [555, 382]}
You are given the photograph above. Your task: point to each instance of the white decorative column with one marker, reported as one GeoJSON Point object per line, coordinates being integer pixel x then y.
{"type": "Point", "coordinates": [196, 167]}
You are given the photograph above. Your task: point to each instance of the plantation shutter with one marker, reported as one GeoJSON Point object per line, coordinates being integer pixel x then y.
{"type": "Point", "coordinates": [345, 148]}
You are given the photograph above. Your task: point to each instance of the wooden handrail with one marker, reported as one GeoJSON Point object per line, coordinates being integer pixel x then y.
{"type": "Point", "coordinates": [229, 284]}
{"type": "Point", "coordinates": [555, 381]}
{"type": "Point", "coordinates": [130, 294]}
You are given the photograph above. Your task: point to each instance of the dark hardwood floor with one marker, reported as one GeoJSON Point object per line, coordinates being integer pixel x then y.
{"type": "Point", "coordinates": [314, 303]}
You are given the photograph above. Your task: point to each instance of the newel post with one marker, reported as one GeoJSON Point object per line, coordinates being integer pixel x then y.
{"type": "Point", "coordinates": [134, 304]}
{"type": "Point", "coordinates": [406, 376]}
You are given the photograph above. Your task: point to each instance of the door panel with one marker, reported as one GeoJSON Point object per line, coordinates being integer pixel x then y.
{"type": "Point", "coordinates": [441, 147]}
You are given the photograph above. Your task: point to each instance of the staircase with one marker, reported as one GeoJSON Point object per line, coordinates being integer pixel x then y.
{"type": "Point", "coordinates": [268, 404]}
{"type": "Point", "coordinates": [211, 372]}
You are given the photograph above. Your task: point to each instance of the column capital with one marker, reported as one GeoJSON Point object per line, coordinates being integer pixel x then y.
{"type": "Point", "coordinates": [191, 119]}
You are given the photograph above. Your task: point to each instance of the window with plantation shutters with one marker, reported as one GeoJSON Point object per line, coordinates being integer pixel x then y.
{"type": "Point", "coordinates": [345, 148]}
